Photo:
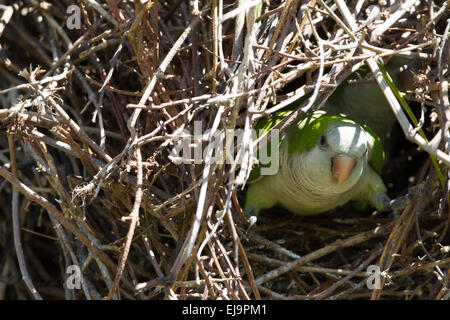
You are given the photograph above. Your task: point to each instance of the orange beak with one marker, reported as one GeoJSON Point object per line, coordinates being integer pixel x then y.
{"type": "Point", "coordinates": [342, 166]}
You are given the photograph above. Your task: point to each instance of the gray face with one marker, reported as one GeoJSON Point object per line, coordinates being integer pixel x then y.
{"type": "Point", "coordinates": [337, 161]}
{"type": "Point", "coordinates": [345, 138]}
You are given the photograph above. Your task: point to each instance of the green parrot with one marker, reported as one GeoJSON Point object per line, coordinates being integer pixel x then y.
{"type": "Point", "coordinates": [336, 155]}
{"type": "Point", "coordinates": [325, 160]}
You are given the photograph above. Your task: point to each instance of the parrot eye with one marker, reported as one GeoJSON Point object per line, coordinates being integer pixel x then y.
{"type": "Point", "coordinates": [323, 142]}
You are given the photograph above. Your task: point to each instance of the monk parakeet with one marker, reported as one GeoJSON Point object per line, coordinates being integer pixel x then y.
{"type": "Point", "coordinates": [325, 160]}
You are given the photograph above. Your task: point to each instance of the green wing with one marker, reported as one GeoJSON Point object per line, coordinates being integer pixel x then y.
{"type": "Point", "coordinates": [376, 155]}
{"type": "Point", "coordinates": [264, 125]}
{"type": "Point", "coordinates": [261, 128]}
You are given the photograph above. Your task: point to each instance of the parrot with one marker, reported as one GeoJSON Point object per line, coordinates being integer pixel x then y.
{"type": "Point", "coordinates": [334, 155]}
{"type": "Point", "coordinates": [325, 160]}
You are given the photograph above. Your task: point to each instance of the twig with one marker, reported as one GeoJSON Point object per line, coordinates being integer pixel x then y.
{"type": "Point", "coordinates": [390, 96]}
{"type": "Point", "coordinates": [160, 71]}
{"type": "Point", "coordinates": [151, 254]}
{"type": "Point", "coordinates": [339, 244]}
{"type": "Point", "coordinates": [33, 196]}
{"type": "Point", "coordinates": [134, 217]}
{"type": "Point", "coordinates": [393, 18]}
{"type": "Point", "coordinates": [193, 233]}
{"type": "Point", "coordinates": [16, 227]}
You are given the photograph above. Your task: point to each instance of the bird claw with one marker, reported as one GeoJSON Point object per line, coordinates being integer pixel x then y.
{"type": "Point", "coordinates": [250, 219]}
{"type": "Point", "coordinates": [401, 202]}
{"type": "Point", "coordinates": [251, 222]}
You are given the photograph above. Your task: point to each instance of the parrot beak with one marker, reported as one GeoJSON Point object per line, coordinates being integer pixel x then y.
{"type": "Point", "coordinates": [341, 167]}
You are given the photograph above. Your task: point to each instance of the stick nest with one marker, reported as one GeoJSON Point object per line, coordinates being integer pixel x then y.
{"type": "Point", "coordinates": [96, 203]}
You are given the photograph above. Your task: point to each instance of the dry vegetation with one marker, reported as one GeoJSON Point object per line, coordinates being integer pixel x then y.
{"type": "Point", "coordinates": [90, 116]}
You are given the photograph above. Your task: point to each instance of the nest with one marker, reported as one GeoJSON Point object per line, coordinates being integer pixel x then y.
{"type": "Point", "coordinates": [98, 97]}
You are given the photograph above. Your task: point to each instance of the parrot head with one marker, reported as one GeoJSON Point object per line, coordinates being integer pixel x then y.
{"type": "Point", "coordinates": [333, 151]}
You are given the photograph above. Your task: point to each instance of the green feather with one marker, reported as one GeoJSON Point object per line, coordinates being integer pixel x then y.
{"type": "Point", "coordinates": [377, 155]}
{"type": "Point", "coordinates": [303, 136]}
